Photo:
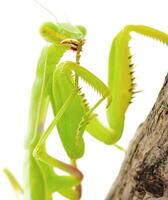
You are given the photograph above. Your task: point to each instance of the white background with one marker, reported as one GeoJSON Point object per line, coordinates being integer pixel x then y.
{"type": "Point", "coordinates": [20, 45]}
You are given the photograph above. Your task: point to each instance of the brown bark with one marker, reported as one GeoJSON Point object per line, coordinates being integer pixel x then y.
{"type": "Point", "coordinates": [144, 172]}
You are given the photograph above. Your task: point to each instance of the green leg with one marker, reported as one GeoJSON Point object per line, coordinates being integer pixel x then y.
{"type": "Point", "coordinates": [78, 187]}
{"type": "Point", "coordinates": [65, 185]}
{"type": "Point", "coordinates": [120, 99]}
{"type": "Point", "coordinates": [40, 153]}
{"type": "Point", "coordinates": [14, 183]}
{"type": "Point", "coordinates": [70, 193]}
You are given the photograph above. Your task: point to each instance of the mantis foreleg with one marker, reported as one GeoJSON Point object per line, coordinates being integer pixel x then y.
{"type": "Point", "coordinates": [121, 83]}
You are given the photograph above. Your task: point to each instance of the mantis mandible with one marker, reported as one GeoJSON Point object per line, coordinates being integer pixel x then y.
{"type": "Point", "coordinates": [57, 83]}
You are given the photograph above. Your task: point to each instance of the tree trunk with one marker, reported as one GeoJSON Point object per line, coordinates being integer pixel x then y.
{"type": "Point", "coordinates": [144, 172]}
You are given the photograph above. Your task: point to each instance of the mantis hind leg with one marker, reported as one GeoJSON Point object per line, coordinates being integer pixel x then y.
{"type": "Point", "coordinates": [14, 183]}
{"type": "Point", "coordinates": [40, 153]}
{"type": "Point", "coordinates": [65, 185]}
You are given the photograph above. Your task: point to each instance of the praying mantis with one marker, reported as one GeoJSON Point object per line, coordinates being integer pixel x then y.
{"type": "Point", "coordinates": [57, 84]}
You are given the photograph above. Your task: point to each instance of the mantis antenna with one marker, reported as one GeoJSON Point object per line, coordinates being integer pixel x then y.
{"type": "Point", "coordinates": [46, 9]}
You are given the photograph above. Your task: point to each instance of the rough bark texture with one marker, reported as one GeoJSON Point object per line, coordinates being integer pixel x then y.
{"type": "Point", "coordinates": [144, 172]}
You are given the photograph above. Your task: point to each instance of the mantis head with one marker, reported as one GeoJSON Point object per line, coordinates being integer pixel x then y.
{"type": "Point", "coordinates": [63, 33]}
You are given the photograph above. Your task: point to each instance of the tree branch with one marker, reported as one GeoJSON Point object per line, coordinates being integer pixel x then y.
{"type": "Point", "coordinates": [144, 172]}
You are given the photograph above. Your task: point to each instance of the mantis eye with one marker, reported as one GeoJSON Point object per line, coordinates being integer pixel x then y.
{"type": "Point", "coordinates": [51, 33]}
{"type": "Point", "coordinates": [82, 29]}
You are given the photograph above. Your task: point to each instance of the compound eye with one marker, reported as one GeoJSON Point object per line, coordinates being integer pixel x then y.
{"type": "Point", "coordinates": [82, 29]}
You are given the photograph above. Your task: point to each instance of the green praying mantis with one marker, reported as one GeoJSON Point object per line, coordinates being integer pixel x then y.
{"type": "Point", "coordinates": [57, 84]}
